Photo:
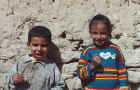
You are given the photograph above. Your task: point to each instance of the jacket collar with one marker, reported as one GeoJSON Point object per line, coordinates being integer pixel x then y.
{"type": "Point", "coordinates": [29, 58]}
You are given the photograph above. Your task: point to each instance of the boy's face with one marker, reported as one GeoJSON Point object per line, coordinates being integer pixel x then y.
{"type": "Point", "coordinates": [99, 34]}
{"type": "Point", "coordinates": [38, 47]}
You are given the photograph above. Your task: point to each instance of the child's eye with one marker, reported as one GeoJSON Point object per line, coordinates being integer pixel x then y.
{"type": "Point", "coordinates": [44, 45]}
{"type": "Point", "coordinates": [35, 45]}
{"type": "Point", "coordinates": [93, 32]}
{"type": "Point", "coordinates": [104, 33]}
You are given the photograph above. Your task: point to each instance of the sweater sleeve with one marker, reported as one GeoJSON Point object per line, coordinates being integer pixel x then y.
{"type": "Point", "coordinates": [57, 81]}
{"type": "Point", "coordinates": [9, 84]}
{"type": "Point", "coordinates": [83, 68]}
{"type": "Point", "coordinates": [122, 72]}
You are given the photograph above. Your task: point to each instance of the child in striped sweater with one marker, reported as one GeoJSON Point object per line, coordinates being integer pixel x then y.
{"type": "Point", "coordinates": [101, 64]}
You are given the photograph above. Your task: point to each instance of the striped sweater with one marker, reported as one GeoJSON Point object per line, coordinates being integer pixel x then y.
{"type": "Point", "coordinates": [111, 75]}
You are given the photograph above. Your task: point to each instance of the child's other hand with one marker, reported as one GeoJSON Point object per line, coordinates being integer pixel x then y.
{"type": "Point", "coordinates": [96, 59]}
{"type": "Point", "coordinates": [18, 78]}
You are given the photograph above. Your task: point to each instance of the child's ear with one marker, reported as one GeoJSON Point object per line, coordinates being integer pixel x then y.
{"type": "Point", "coordinates": [90, 35]}
{"type": "Point", "coordinates": [28, 44]}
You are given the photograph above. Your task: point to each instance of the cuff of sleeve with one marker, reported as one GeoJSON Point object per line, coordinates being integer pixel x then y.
{"type": "Point", "coordinates": [124, 88]}
{"type": "Point", "coordinates": [9, 83]}
{"type": "Point", "coordinates": [11, 80]}
{"type": "Point", "coordinates": [90, 73]}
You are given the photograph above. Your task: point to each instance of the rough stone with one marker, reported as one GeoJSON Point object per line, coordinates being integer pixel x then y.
{"type": "Point", "coordinates": [68, 22]}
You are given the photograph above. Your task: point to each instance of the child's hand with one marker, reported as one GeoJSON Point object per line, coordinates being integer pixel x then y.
{"type": "Point", "coordinates": [95, 61]}
{"type": "Point", "coordinates": [18, 78]}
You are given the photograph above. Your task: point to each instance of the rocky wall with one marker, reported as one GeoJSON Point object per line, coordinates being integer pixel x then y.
{"type": "Point", "coordinates": [68, 21]}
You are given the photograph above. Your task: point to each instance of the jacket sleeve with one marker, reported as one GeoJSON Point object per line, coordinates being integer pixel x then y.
{"type": "Point", "coordinates": [122, 72]}
{"type": "Point", "coordinates": [83, 68]}
{"type": "Point", "coordinates": [9, 84]}
{"type": "Point", "coordinates": [58, 82]}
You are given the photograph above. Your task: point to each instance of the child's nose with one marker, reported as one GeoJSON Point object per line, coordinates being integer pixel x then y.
{"type": "Point", "coordinates": [99, 36]}
{"type": "Point", "coordinates": [39, 48]}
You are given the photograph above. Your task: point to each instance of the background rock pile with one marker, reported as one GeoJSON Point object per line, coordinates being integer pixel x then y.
{"type": "Point", "coordinates": [68, 21]}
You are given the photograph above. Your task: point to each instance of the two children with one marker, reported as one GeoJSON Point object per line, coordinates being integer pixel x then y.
{"type": "Point", "coordinates": [36, 71]}
{"type": "Point", "coordinates": [101, 65]}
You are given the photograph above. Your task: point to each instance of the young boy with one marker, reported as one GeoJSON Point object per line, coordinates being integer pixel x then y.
{"type": "Point", "coordinates": [35, 71]}
{"type": "Point", "coordinates": [101, 65]}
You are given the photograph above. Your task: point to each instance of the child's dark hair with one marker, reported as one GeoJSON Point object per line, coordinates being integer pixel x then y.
{"type": "Point", "coordinates": [101, 18]}
{"type": "Point", "coordinates": [39, 31]}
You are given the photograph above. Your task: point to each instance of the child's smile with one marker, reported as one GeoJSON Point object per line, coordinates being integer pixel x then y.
{"type": "Point", "coordinates": [38, 47]}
